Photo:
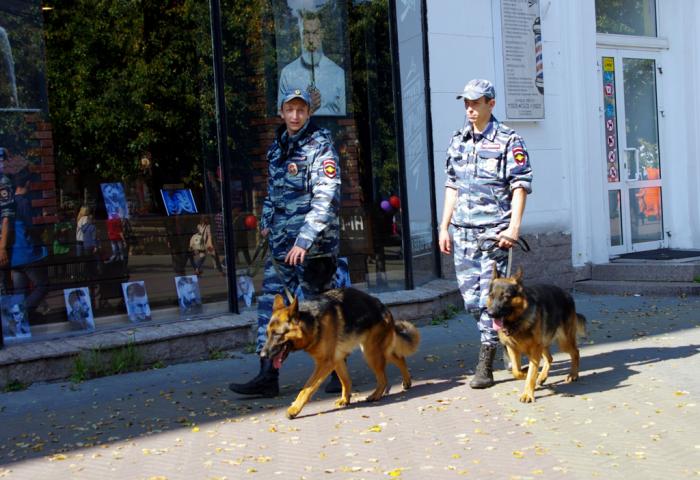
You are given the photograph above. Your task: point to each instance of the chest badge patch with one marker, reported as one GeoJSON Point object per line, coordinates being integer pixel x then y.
{"type": "Point", "coordinates": [490, 145]}
{"type": "Point", "coordinates": [292, 169]}
{"type": "Point", "coordinates": [519, 155]}
{"type": "Point", "coordinates": [329, 168]}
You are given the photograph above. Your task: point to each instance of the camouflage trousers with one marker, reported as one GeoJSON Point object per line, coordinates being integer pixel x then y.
{"type": "Point", "coordinates": [474, 270]}
{"type": "Point", "coordinates": [310, 279]}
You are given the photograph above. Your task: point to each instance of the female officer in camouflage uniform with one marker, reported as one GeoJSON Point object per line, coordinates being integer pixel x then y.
{"type": "Point", "coordinates": [488, 179]}
{"type": "Point", "coordinates": [300, 219]}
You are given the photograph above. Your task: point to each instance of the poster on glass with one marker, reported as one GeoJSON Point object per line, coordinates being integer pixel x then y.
{"type": "Point", "coordinates": [311, 50]}
{"type": "Point", "coordinates": [136, 300]}
{"type": "Point", "coordinates": [188, 295]}
{"type": "Point", "coordinates": [79, 308]}
{"type": "Point", "coordinates": [178, 201]}
{"type": "Point", "coordinates": [15, 322]}
{"type": "Point", "coordinates": [115, 200]}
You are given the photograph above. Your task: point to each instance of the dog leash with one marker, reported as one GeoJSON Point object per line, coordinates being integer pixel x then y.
{"type": "Point", "coordinates": [489, 243]}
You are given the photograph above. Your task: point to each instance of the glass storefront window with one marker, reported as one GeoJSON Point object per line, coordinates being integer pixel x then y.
{"type": "Point", "coordinates": [626, 17]}
{"type": "Point", "coordinates": [339, 50]}
{"type": "Point", "coordinates": [115, 211]}
{"type": "Point", "coordinates": [111, 207]}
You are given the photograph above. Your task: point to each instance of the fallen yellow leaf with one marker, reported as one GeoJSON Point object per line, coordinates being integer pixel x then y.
{"type": "Point", "coordinates": [518, 454]}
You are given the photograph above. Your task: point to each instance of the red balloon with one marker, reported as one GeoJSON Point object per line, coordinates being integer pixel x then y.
{"type": "Point", "coordinates": [250, 222]}
{"type": "Point", "coordinates": [395, 201]}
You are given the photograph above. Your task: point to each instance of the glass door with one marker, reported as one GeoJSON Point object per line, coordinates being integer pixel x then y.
{"type": "Point", "coordinates": [632, 151]}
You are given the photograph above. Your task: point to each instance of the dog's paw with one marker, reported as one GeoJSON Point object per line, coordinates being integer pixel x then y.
{"type": "Point", "coordinates": [541, 380]}
{"type": "Point", "coordinates": [527, 397]}
{"type": "Point", "coordinates": [374, 397]}
{"type": "Point", "coordinates": [407, 384]}
{"type": "Point", "coordinates": [571, 378]}
{"type": "Point", "coordinates": [342, 402]}
{"type": "Point", "coordinates": [292, 412]}
{"type": "Point", "coordinates": [519, 375]}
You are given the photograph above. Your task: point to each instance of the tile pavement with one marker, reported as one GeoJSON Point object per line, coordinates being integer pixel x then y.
{"type": "Point", "coordinates": [633, 413]}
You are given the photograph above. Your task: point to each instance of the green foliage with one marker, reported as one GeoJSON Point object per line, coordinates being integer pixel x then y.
{"type": "Point", "coordinates": [217, 354]}
{"type": "Point", "coordinates": [443, 317]}
{"type": "Point", "coordinates": [15, 386]}
{"type": "Point", "coordinates": [99, 363]}
{"type": "Point", "coordinates": [372, 87]}
{"type": "Point", "coordinates": [249, 347]}
{"type": "Point", "coordinates": [131, 80]}
{"type": "Point", "coordinates": [158, 365]}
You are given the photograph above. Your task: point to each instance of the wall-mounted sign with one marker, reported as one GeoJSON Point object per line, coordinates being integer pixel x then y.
{"type": "Point", "coordinates": [523, 70]}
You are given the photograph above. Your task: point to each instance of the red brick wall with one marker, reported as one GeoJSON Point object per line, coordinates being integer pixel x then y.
{"type": "Point", "coordinates": [42, 163]}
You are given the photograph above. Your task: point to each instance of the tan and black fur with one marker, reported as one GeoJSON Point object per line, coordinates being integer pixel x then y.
{"type": "Point", "coordinates": [528, 320]}
{"type": "Point", "coordinates": [329, 328]}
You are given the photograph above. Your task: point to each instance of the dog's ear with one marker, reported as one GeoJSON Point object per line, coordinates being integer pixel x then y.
{"type": "Point", "coordinates": [294, 308]}
{"type": "Point", "coordinates": [278, 303]}
{"type": "Point", "coordinates": [518, 275]}
{"type": "Point", "coordinates": [495, 271]}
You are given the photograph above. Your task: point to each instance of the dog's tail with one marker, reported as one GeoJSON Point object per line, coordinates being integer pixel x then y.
{"type": "Point", "coordinates": [406, 338]}
{"type": "Point", "coordinates": [581, 329]}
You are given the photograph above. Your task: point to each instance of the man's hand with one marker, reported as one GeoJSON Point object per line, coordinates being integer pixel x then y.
{"type": "Point", "coordinates": [4, 259]}
{"type": "Point", "coordinates": [315, 98]}
{"type": "Point", "coordinates": [295, 256]}
{"type": "Point", "coordinates": [444, 241]}
{"type": "Point", "coordinates": [265, 232]}
{"type": "Point", "coordinates": [509, 232]}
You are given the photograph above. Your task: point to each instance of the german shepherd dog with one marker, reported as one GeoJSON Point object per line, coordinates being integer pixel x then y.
{"type": "Point", "coordinates": [528, 320]}
{"type": "Point", "coordinates": [328, 329]}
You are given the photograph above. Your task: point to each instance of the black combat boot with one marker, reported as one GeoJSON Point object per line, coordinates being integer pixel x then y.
{"type": "Point", "coordinates": [265, 383]}
{"type": "Point", "coordinates": [483, 377]}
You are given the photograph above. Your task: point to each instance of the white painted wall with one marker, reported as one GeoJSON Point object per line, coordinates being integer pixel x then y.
{"type": "Point", "coordinates": [461, 37]}
{"type": "Point", "coordinates": [566, 147]}
{"type": "Point", "coordinates": [679, 20]}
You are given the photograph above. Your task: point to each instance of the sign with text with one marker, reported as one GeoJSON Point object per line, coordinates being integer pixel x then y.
{"type": "Point", "coordinates": [523, 71]}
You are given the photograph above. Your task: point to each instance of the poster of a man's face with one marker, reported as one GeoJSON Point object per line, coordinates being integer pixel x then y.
{"type": "Point", "coordinates": [315, 58]}
{"type": "Point", "coordinates": [188, 294]}
{"type": "Point", "coordinates": [179, 201]}
{"type": "Point", "coordinates": [115, 200]}
{"type": "Point", "coordinates": [15, 323]}
{"type": "Point", "coordinates": [136, 301]}
{"type": "Point", "coordinates": [78, 308]}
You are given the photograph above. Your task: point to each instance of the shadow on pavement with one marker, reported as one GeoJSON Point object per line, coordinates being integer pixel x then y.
{"type": "Point", "coordinates": [423, 389]}
{"type": "Point", "coordinates": [607, 371]}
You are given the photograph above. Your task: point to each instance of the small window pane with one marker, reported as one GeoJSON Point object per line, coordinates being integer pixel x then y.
{"type": "Point", "coordinates": [626, 17]}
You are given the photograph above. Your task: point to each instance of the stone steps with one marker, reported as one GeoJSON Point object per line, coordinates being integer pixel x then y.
{"type": "Point", "coordinates": [646, 288]}
{"type": "Point", "coordinates": [651, 278]}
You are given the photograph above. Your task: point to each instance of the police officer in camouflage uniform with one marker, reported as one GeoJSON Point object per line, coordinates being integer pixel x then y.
{"type": "Point", "coordinates": [488, 179]}
{"type": "Point", "coordinates": [299, 218]}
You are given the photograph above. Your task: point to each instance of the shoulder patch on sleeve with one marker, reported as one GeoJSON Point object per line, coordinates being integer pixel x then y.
{"type": "Point", "coordinates": [329, 168]}
{"type": "Point", "coordinates": [519, 155]}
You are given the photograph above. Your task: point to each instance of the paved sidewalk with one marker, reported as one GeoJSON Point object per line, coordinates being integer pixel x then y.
{"type": "Point", "coordinates": [633, 414]}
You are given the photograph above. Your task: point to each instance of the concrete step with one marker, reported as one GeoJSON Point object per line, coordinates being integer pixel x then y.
{"type": "Point", "coordinates": [646, 271]}
{"type": "Point", "coordinates": [621, 287]}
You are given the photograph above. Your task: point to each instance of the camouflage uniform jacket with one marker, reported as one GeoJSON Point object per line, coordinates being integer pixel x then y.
{"type": "Point", "coordinates": [303, 199]}
{"type": "Point", "coordinates": [485, 169]}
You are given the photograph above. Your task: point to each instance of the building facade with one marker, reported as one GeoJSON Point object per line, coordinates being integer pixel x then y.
{"type": "Point", "coordinates": [133, 142]}
{"type": "Point", "coordinates": [614, 149]}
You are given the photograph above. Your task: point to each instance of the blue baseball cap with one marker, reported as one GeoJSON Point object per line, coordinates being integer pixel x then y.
{"type": "Point", "coordinates": [296, 93]}
{"type": "Point", "coordinates": [476, 89]}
